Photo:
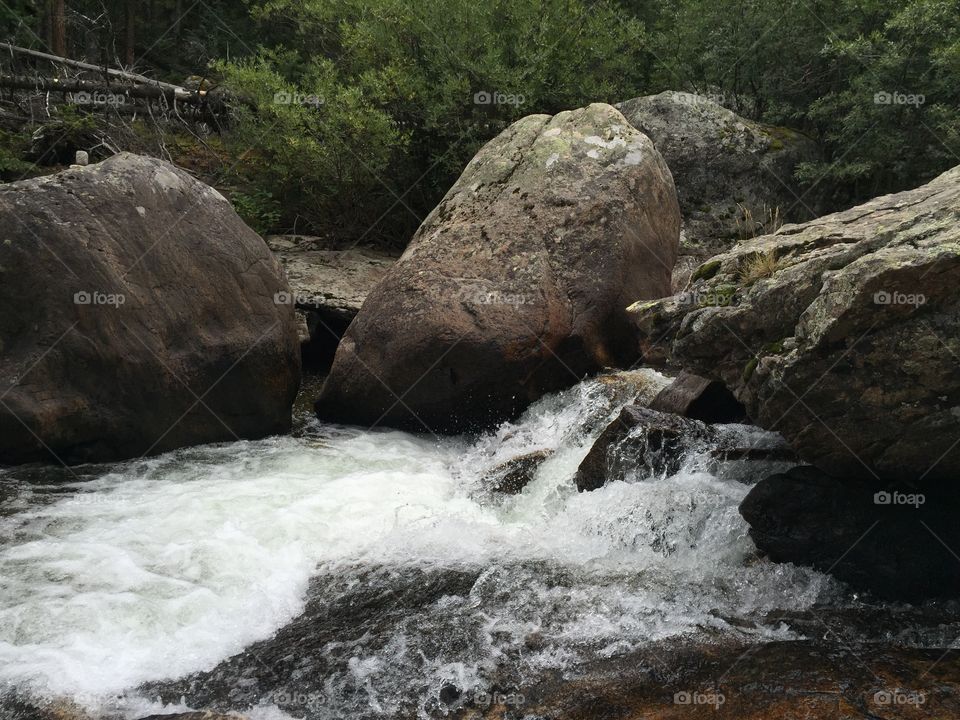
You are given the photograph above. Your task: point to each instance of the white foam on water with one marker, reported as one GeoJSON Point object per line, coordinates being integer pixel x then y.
{"type": "Point", "coordinates": [166, 566]}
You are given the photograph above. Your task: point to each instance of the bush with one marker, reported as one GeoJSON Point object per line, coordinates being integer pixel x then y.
{"type": "Point", "coordinates": [408, 100]}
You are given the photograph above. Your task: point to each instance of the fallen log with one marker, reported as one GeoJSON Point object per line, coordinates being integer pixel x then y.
{"type": "Point", "coordinates": [79, 64]}
{"type": "Point", "coordinates": [99, 93]}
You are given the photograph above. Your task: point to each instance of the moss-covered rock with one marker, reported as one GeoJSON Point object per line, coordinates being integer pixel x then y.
{"type": "Point", "coordinates": [850, 347]}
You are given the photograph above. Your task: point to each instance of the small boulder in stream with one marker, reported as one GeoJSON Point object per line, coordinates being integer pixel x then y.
{"type": "Point", "coordinates": [139, 314]}
{"type": "Point", "coordinates": [514, 475]}
{"type": "Point", "coordinates": [640, 440]}
{"type": "Point", "coordinates": [642, 444]}
{"type": "Point", "coordinates": [699, 398]}
{"type": "Point", "coordinates": [516, 285]}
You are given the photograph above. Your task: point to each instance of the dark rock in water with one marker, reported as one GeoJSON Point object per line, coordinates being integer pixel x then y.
{"type": "Point", "coordinates": [699, 398]}
{"type": "Point", "coordinates": [352, 615]}
{"type": "Point", "coordinates": [329, 287]}
{"type": "Point", "coordinates": [642, 443]}
{"type": "Point", "coordinates": [898, 543]}
{"type": "Point", "coordinates": [514, 475]}
{"type": "Point", "coordinates": [139, 315]}
{"type": "Point", "coordinates": [639, 438]}
{"type": "Point", "coordinates": [516, 284]}
{"type": "Point", "coordinates": [735, 177]}
{"type": "Point", "coordinates": [842, 334]}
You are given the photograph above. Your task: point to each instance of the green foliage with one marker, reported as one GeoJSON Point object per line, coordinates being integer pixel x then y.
{"type": "Point", "coordinates": [410, 92]}
{"type": "Point", "coordinates": [12, 149]}
{"type": "Point", "coordinates": [258, 209]}
{"type": "Point", "coordinates": [877, 83]}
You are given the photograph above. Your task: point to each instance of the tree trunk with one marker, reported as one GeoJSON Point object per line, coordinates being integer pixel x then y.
{"type": "Point", "coordinates": [58, 28]}
{"type": "Point", "coordinates": [177, 14]}
{"type": "Point", "coordinates": [130, 26]}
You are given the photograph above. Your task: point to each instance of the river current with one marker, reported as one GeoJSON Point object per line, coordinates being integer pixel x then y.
{"type": "Point", "coordinates": [117, 579]}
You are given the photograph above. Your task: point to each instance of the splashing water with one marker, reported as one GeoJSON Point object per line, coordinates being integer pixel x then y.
{"type": "Point", "coordinates": [164, 567]}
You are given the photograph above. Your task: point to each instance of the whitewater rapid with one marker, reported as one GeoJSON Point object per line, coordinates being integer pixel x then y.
{"type": "Point", "coordinates": [163, 567]}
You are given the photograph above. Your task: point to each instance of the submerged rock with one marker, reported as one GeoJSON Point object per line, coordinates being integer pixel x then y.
{"type": "Point", "coordinates": [640, 440]}
{"type": "Point", "coordinates": [894, 542]}
{"type": "Point", "coordinates": [328, 286]}
{"type": "Point", "coordinates": [514, 475]}
{"type": "Point", "coordinates": [516, 284]}
{"type": "Point", "coordinates": [643, 443]}
{"type": "Point", "coordinates": [201, 715]}
{"type": "Point", "coordinates": [842, 334]}
{"type": "Point", "coordinates": [734, 177]}
{"type": "Point", "coordinates": [139, 315]}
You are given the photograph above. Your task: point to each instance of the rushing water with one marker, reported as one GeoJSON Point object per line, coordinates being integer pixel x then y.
{"type": "Point", "coordinates": [157, 569]}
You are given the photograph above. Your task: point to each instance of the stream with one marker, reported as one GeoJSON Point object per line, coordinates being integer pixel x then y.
{"type": "Point", "coordinates": [343, 572]}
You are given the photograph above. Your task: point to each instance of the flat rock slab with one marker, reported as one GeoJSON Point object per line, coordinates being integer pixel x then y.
{"type": "Point", "coordinates": [797, 680]}
{"type": "Point", "coordinates": [333, 281]}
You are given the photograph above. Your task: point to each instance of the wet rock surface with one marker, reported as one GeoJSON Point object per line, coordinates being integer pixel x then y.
{"type": "Point", "coordinates": [516, 284]}
{"type": "Point", "coordinates": [848, 667]}
{"type": "Point", "coordinates": [514, 475]}
{"type": "Point", "coordinates": [798, 680]}
{"type": "Point", "coordinates": [642, 443]}
{"type": "Point", "coordinates": [700, 398]}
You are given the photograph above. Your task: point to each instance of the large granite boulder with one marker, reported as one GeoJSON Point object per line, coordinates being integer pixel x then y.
{"type": "Point", "coordinates": [139, 314]}
{"type": "Point", "coordinates": [734, 176]}
{"type": "Point", "coordinates": [517, 284]}
{"type": "Point", "coordinates": [843, 334]}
